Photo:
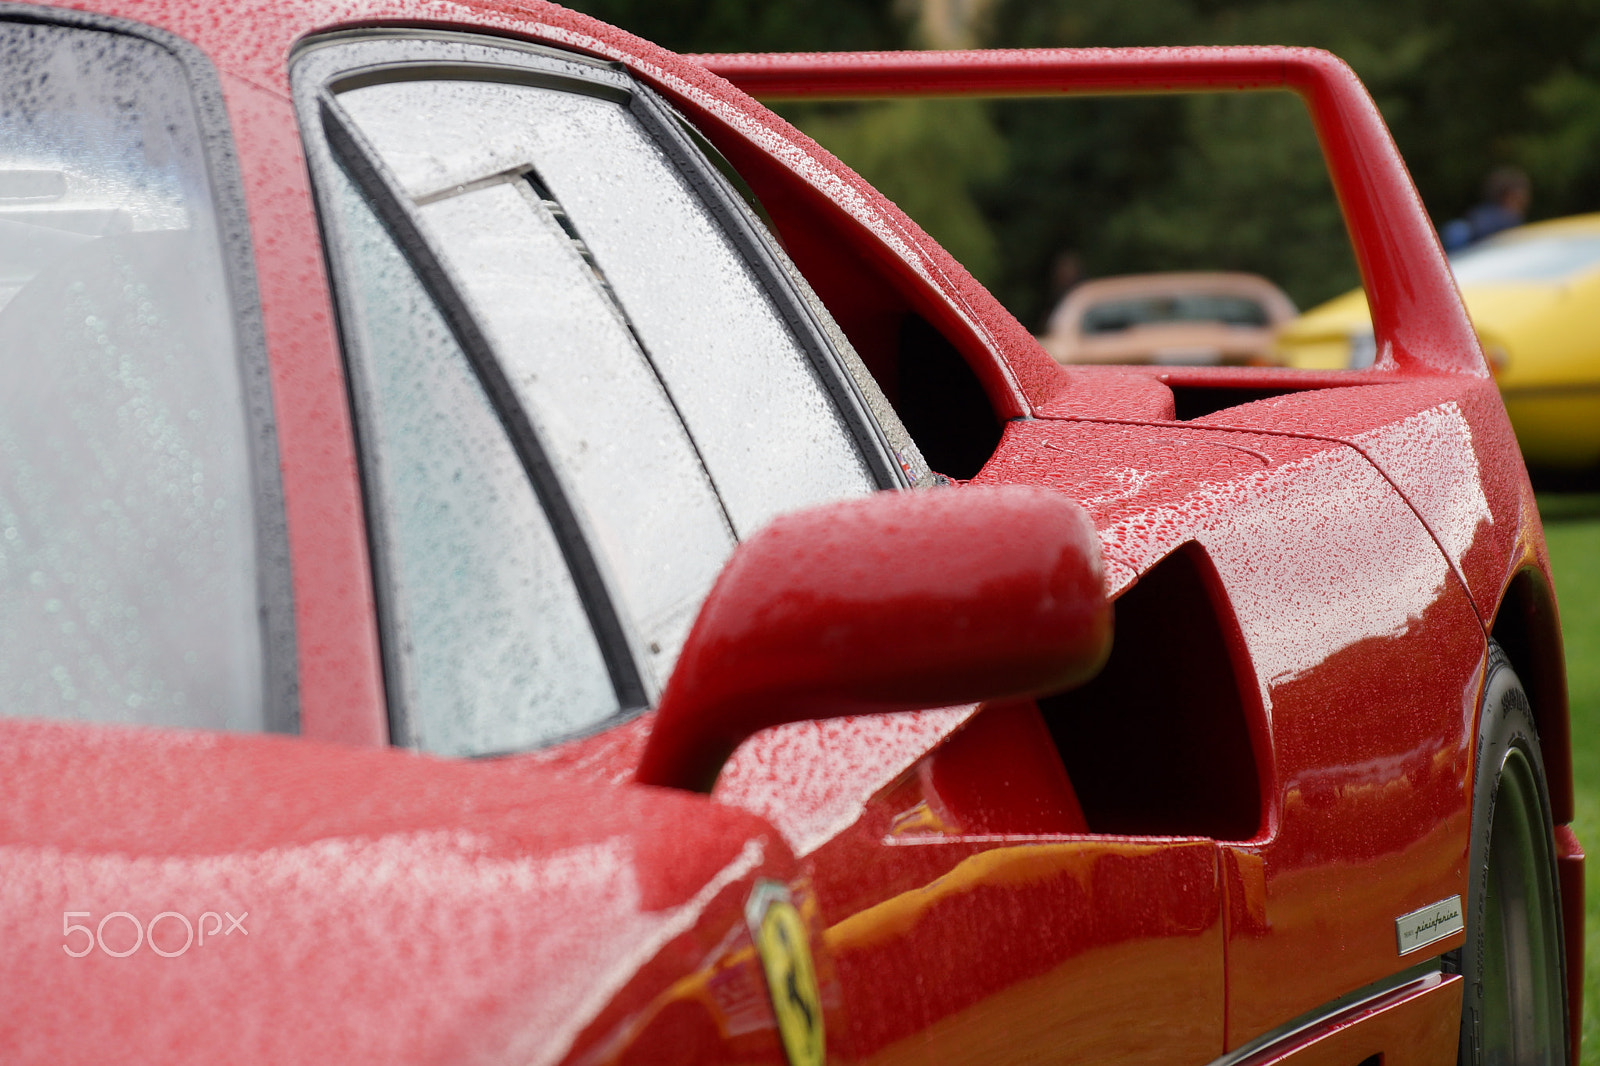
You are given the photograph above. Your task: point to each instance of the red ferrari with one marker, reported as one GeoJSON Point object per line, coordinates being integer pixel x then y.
{"type": "Point", "coordinates": [509, 553]}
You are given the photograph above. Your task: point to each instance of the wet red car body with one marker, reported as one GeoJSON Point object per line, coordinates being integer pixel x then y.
{"type": "Point", "coordinates": [1207, 860]}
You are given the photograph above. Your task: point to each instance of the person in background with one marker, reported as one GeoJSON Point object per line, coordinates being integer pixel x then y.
{"type": "Point", "coordinates": [1505, 201]}
{"type": "Point", "coordinates": [1066, 270]}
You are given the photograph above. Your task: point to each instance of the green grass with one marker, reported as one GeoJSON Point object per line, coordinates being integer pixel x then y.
{"type": "Point", "coordinates": [1572, 529]}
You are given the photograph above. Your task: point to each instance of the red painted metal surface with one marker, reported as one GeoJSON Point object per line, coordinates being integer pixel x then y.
{"type": "Point", "coordinates": [1362, 533]}
{"type": "Point", "coordinates": [1570, 858]}
{"type": "Point", "coordinates": [1444, 443]}
{"type": "Point", "coordinates": [887, 603]}
{"type": "Point", "coordinates": [1128, 966]}
{"type": "Point", "coordinates": [1127, 969]}
{"type": "Point", "coordinates": [393, 908]}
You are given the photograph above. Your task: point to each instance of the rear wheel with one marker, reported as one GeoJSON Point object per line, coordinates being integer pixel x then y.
{"type": "Point", "coordinates": [1513, 1010]}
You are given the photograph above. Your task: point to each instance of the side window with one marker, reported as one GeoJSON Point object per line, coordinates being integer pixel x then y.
{"type": "Point", "coordinates": [763, 422]}
{"type": "Point", "coordinates": [612, 341]}
{"type": "Point", "coordinates": [131, 587]}
{"type": "Point", "coordinates": [497, 652]}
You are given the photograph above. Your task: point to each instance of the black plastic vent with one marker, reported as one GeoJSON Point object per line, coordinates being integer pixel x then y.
{"type": "Point", "coordinates": [1159, 743]}
{"type": "Point", "coordinates": [1191, 401]}
{"type": "Point", "coordinates": [942, 403]}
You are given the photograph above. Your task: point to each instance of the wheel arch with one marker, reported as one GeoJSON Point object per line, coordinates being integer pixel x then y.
{"type": "Point", "coordinates": [1528, 628]}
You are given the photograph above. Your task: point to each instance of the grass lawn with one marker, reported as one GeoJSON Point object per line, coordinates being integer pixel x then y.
{"type": "Point", "coordinates": [1572, 529]}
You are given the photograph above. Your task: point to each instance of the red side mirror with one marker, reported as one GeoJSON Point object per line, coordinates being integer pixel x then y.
{"type": "Point", "coordinates": [893, 602]}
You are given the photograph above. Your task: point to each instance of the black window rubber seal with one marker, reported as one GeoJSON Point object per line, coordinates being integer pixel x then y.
{"type": "Point", "coordinates": [734, 218]}
{"type": "Point", "coordinates": [274, 576]}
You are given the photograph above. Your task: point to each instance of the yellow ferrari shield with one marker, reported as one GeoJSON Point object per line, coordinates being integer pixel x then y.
{"type": "Point", "coordinates": [780, 937]}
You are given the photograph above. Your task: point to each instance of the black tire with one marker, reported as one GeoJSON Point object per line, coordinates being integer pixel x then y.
{"type": "Point", "coordinates": [1514, 1004]}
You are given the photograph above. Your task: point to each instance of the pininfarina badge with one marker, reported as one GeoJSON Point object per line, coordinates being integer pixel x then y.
{"type": "Point", "coordinates": [1428, 925]}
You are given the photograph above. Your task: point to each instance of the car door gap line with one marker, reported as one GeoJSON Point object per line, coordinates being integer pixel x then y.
{"type": "Point", "coordinates": [1433, 534]}
{"type": "Point", "coordinates": [1263, 456]}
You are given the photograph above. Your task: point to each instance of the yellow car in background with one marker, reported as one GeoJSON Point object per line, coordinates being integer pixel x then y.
{"type": "Point", "coordinates": [1534, 296]}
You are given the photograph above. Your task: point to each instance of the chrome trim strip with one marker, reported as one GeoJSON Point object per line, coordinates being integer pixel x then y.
{"type": "Point", "coordinates": [1274, 1041]}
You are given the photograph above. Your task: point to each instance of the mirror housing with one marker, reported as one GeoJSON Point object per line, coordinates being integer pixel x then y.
{"type": "Point", "coordinates": [893, 602]}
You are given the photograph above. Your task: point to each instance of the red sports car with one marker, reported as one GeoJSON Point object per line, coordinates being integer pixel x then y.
{"type": "Point", "coordinates": [548, 435]}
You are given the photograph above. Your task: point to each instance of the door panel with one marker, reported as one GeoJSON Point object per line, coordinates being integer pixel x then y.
{"type": "Point", "coordinates": [1013, 948]}
{"type": "Point", "coordinates": [969, 916]}
{"type": "Point", "coordinates": [1087, 950]}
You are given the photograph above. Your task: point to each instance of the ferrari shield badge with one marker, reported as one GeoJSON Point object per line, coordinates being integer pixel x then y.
{"type": "Point", "coordinates": [780, 938]}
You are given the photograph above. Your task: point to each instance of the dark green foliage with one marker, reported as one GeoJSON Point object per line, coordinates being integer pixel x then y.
{"type": "Point", "coordinates": [926, 156]}
{"type": "Point", "coordinates": [1133, 184]}
{"type": "Point", "coordinates": [1247, 191]}
{"type": "Point", "coordinates": [1572, 529]}
{"type": "Point", "coordinates": [1466, 85]}
{"type": "Point", "coordinates": [1082, 159]}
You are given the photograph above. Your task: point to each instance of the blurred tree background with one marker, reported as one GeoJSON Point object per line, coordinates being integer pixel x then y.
{"type": "Point", "coordinates": [1031, 194]}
